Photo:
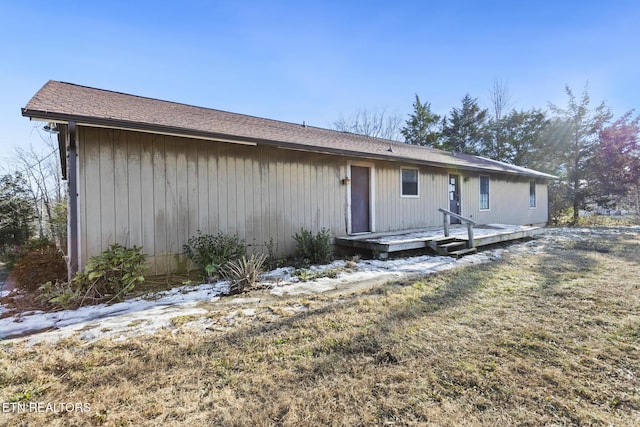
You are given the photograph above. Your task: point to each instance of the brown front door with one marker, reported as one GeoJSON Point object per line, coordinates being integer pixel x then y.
{"type": "Point", "coordinates": [454, 197]}
{"type": "Point", "coordinates": [360, 221]}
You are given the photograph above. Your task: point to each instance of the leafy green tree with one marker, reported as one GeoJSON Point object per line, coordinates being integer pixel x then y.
{"type": "Point", "coordinates": [583, 126]}
{"type": "Point", "coordinates": [423, 126]}
{"type": "Point", "coordinates": [465, 129]}
{"type": "Point", "coordinates": [16, 210]}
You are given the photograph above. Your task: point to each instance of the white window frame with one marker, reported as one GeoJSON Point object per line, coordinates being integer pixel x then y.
{"type": "Point", "coordinates": [410, 196]}
{"type": "Point", "coordinates": [488, 208]}
{"type": "Point", "coordinates": [535, 195]}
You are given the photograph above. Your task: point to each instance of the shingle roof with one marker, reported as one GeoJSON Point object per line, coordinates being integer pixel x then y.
{"type": "Point", "coordinates": [59, 101]}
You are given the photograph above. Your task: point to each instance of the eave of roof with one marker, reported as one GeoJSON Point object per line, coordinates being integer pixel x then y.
{"type": "Point", "coordinates": [65, 102]}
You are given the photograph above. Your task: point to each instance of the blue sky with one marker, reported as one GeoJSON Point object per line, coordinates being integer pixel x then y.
{"type": "Point", "coordinates": [313, 61]}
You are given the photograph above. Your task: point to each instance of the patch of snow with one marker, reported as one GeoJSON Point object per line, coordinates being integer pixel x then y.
{"type": "Point", "coordinates": [144, 315]}
{"type": "Point", "coordinates": [110, 315]}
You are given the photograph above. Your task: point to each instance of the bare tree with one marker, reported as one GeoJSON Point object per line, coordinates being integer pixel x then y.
{"type": "Point", "coordinates": [500, 99]}
{"type": "Point", "coordinates": [41, 168]}
{"type": "Point", "coordinates": [497, 146]}
{"type": "Point", "coordinates": [377, 123]}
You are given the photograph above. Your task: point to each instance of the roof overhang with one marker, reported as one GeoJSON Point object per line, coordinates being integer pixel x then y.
{"type": "Point", "coordinates": [107, 123]}
{"type": "Point", "coordinates": [133, 126]}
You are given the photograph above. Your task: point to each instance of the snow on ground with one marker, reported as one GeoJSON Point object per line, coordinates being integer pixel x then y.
{"type": "Point", "coordinates": [148, 314]}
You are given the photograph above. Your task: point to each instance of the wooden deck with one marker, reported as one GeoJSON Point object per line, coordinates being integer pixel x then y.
{"type": "Point", "coordinates": [381, 244]}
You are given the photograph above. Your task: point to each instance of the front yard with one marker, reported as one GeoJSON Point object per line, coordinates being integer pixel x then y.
{"type": "Point", "coordinates": [546, 335]}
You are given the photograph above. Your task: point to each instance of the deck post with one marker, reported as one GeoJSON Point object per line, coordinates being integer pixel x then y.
{"type": "Point", "coordinates": [470, 234]}
{"type": "Point", "coordinates": [446, 224]}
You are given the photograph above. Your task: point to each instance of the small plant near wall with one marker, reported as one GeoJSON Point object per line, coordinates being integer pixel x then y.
{"type": "Point", "coordinates": [209, 252]}
{"type": "Point", "coordinates": [313, 249]}
{"type": "Point", "coordinates": [273, 261]}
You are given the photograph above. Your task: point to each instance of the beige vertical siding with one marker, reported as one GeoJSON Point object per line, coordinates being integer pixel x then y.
{"type": "Point", "coordinates": [156, 191]}
{"type": "Point", "coordinates": [508, 200]}
{"type": "Point", "coordinates": [394, 212]}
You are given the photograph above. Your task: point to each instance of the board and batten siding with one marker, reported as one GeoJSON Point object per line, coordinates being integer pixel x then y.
{"type": "Point", "coordinates": [156, 191]}
{"type": "Point", "coordinates": [394, 212]}
{"type": "Point", "coordinates": [508, 200]}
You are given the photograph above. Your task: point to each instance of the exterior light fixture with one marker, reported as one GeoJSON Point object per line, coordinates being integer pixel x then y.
{"type": "Point", "coordinates": [51, 128]}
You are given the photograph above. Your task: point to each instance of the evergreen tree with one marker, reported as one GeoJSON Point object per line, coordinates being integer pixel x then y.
{"type": "Point", "coordinates": [524, 140]}
{"type": "Point", "coordinates": [583, 127]}
{"type": "Point", "coordinates": [465, 129]}
{"type": "Point", "coordinates": [423, 126]}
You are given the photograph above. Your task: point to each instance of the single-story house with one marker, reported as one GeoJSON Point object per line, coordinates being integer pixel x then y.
{"type": "Point", "coordinates": [152, 173]}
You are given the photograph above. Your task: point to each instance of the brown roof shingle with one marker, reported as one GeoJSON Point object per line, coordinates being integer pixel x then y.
{"type": "Point", "coordinates": [65, 101]}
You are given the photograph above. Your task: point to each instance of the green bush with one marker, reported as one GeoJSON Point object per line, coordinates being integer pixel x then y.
{"type": "Point", "coordinates": [312, 249]}
{"type": "Point", "coordinates": [243, 273]}
{"type": "Point", "coordinates": [106, 277]}
{"type": "Point", "coordinates": [209, 252]}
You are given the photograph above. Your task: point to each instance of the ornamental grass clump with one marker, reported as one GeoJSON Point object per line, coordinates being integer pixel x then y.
{"type": "Point", "coordinates": [243, 273]}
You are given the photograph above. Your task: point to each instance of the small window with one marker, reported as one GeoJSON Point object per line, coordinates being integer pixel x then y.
{"type": "Point", "coordinates": [532, 194]}
{"type": "Point", "coordinates": [410, 182]}
{"type": "Point", "coordinates": [484, 192]}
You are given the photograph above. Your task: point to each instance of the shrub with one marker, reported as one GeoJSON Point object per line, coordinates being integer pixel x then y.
{"type": "Point", "coordinates": [243, 273]}
{"type": "Point", "coordinates": [111, 274]}
{"type": "Point", "coordinates": [312, 249]}
{"type": "Point", "coordinates": [59, 295]}
{"type": "Point", "coordinates": [208, 252]}
{"type": "Point", "coordinates": [38, 262]}
{"type": "Point", "coordinates": [106, 277]}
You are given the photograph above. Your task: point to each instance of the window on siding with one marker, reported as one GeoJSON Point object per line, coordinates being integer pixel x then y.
{"type": "Point", "coordinates": [532, 194]}
{"type": "Point", "coordinates": [484, 192]}
{"type": "Point", "coordinates": [409, 182]}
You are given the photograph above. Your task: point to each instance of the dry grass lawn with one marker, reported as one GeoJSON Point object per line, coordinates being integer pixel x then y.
{"type": "Point", "coordinates": [546, 339]}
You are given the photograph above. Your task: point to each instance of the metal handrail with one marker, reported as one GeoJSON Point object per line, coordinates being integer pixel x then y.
{"type": "Point", "coordinates": [469, 223]}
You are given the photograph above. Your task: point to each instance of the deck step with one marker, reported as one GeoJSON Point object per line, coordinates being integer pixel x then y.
{"type": "Point", "coordinates": [463, 252]}
{"type": "Point", "coordinates": [452, 245]}
{"type": "Point", "coordinates": [441, 244]}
